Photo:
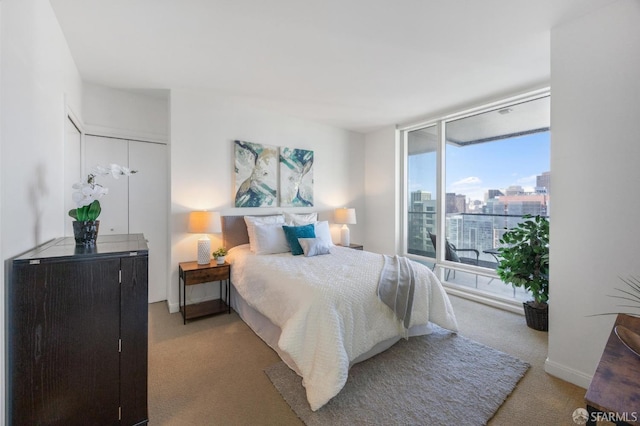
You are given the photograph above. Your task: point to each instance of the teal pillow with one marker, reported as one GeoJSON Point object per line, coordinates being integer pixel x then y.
{"type": "Point", "coordinates": [294, 232]}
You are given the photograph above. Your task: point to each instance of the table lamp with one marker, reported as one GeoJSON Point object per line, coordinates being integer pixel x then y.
{"type": "Point", "coordinates": [203, 222]}
{"type": "Point", "coordinates": [346, 217]}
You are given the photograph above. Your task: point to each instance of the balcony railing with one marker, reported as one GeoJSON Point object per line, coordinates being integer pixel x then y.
{"type": "Point", "coordinates": [481, 231]}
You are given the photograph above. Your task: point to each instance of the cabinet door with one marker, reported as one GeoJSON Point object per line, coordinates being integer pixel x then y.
{"type": "Point", "coordinates": [134, 323]}
{"type": "Point", "coordinates": [148, 207]}
{"type": "Point", "coordinates": [102, 151]}
{"type": "Point", "coordinates": [64, 362]}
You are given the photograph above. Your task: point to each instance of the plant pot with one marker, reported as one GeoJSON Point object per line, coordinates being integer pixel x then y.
{"type": "Point", "coordinates": [86, 232]}
{"type": "Point", "coordinates": [537, 318]}
{"type": "Point", "coordinates": [220, 260]}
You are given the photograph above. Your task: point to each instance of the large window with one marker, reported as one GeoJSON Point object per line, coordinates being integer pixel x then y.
{"type": "Point", "coordinates": [470, 177]}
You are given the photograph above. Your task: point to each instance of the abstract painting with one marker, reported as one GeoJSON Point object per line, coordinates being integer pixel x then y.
{"type": "Point", "coordinates": [296, 177]}
{"type": "Point", "coordinates": [256, 168]}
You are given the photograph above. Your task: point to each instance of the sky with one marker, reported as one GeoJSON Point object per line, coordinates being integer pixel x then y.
{"type": "Point", "coordinates": [475, 169]}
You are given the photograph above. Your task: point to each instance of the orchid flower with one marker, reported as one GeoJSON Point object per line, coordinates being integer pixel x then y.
{"type": "Point", "coordinates": [87, 194]}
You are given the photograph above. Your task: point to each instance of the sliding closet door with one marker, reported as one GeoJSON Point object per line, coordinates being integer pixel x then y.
{"type": "Point", "coordinates": [148, 207]}
{"type": "Point", "coordinates": [102, 151]}
{"type": "Point", "coordinates": [137, 204]}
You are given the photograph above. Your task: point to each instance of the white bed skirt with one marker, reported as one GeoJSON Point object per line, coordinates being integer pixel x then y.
{"type": "Point", "coordinates": [270, 333]}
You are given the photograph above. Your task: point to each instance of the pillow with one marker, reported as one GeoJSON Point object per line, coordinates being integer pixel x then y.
{"type": "Point", "coordinates": [314, 246]}
{"type": "Point", "coordinates": [294, 232]}
{"type": "Point", "coordinates": [300, 218]}
{"type": "Point", "coordinates": [323, 232]}
{"type": "Point", "coordinates": [270, 239]}
{"type": "Point", "coordinates": [252, 220]}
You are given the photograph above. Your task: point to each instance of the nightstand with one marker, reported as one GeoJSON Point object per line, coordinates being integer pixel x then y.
{"type": "Point", "coordinates": [190, 273]}
{"type": "Point", "coordinates": [354, 246]}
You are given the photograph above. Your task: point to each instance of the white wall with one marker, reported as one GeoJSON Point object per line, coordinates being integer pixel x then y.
{"type": "Point", "coordinates": [203, 128]}
{"type": "Point", "coordinates": [37, 73]}
{"type": "Point", "coordinates": [142, 115]}
{"type": "Point", "coordinates": [595, 150]}
{"type": "Point", "coordinates": [382, 191]}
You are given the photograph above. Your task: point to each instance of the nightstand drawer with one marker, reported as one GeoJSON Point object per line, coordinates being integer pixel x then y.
{"type": "Point", "coordinates": [205, 275]}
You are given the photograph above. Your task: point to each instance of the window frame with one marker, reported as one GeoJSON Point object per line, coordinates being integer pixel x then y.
{"type": "Point", "coordinates": [440, 264]}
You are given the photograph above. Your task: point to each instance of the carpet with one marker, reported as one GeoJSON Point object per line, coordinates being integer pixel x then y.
{"type": "Point", "coordinates": [438, 379]}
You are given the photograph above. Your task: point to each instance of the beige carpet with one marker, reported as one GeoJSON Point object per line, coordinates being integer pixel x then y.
{"type": "Point", "coordinates": [442, 378]}
{"type": "Point", "coordinates": [210, 371]}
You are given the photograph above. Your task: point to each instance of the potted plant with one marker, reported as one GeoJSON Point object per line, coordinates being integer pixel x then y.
{"type": "Point", "coordinates": [219, 255]}
{"type": "Point", "coordinates": [524, 262]}
{"type": "Point", "coordinates": [87, 198]}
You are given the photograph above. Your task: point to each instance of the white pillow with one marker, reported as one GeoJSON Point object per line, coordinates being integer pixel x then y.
{"type": "Point", "coordinates": [296, 219]}
{"type": "Point", "coordinates": [251, 221]}
{"type": "Point", "coordinates": [314, 246]}
{"type": "Point", "coordinates": [323, 232]}
{"type": "Point", "coordinates": [270, 239]}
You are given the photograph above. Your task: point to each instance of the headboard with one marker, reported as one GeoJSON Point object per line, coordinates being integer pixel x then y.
{"type": "Point", "coordinates": [234, 231]}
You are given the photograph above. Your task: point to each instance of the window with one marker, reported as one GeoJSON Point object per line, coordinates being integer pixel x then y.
{"type": "Point", "coordinates": [421, 183]}
{"type": "Point", "coordinates": [483, 171]}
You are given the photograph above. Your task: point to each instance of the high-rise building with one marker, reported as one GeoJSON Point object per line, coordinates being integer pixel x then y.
{"type": "Point", "coordinates": [492, 193]}
{"type": "Point", "coordinates": [514, 190]}
{"type": "Point", "coordinates": [544, 181]}
{"type": "Point", "coordinates": [455, 203]}
{"type": "Point", "coordinates": [422, 220]}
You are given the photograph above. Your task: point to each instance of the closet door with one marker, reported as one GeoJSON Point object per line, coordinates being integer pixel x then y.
{"type": "Point", "coordinates": [72, 171]}
{"type": "Point", "coordinates": [139, 203]}
{"type": "Point", "coordinates": [148, 209]}
{"type": "Point", "coordinates": [102, 151]}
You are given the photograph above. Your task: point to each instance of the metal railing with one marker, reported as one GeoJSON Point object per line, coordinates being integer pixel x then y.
{"type": "Point", "coordinates": [479, 231]}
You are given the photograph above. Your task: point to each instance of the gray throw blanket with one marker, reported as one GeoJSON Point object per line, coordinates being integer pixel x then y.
{"type": "Point", "coordinates": [396, 287]}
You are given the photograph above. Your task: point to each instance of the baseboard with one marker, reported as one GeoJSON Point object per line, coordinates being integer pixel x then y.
{"type": "Point", "coordinates": [567, 374]}
{"type": "Point", "coordinates": [175, 306]}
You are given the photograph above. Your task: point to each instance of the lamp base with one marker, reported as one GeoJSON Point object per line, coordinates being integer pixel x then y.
{"type": "Point", "coordinates": [344, 236]}
{"type": "Point", "coordinates": [204, 251]}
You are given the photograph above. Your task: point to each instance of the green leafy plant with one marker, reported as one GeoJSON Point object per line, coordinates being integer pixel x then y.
{"type": "Point", "coordinates": [524, 259]}
{"type": "Point", "coordinates": [220, 252]}
{"type": "Point", "coordinates": [87, 194]}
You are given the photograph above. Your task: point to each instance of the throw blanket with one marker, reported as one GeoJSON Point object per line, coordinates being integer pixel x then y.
{"type": "Point", "coordinates": [396, 288]}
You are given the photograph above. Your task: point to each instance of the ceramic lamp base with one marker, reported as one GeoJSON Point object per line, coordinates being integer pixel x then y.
{"type": "Point", "coordinates": [344, 236]}
{"type": "Point", "coordinates": [204, 251]}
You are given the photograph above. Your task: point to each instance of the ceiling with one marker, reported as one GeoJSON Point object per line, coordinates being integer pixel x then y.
{"type": "Point", "coordinates": [353, 64]}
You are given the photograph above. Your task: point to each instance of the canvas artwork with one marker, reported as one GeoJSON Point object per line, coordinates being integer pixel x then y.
{"type": "Point", "coordinates": [296, 177]}
{"type": "Point", "coordinates": [256, 179]}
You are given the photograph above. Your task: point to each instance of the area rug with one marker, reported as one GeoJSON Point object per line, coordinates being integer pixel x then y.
{"type": "Point", "coordinates": [438, 379]}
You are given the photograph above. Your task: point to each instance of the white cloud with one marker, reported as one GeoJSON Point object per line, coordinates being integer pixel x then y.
{"type": "Point", "coordinates": [470, 186]}
{"type": "Point", "coordinates": [468, 181]}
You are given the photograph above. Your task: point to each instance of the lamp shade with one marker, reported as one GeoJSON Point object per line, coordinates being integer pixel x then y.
{"type": "Point", "coordinates": [345, 216]}
{"type": "Point", "coordinates": [203, 222]}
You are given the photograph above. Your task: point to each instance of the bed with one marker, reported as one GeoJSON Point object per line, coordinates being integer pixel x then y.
{"type": "Point", "coordinates": [322, 313]}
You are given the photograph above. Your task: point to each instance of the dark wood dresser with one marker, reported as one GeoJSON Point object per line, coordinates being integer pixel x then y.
{"type": "Point", "coordinates": [77, 333]}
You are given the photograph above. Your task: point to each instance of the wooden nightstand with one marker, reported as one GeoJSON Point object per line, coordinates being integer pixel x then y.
{"type": "Point", "coordinates": [190, 273]}
{"type": "Point", "coordinates": [354, 246]}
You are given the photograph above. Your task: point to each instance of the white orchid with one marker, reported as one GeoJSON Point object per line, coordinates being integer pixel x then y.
{"type": "Point", "coordinates": [114, 170]}
{"type": "Point", "coordinates": [88, 193]}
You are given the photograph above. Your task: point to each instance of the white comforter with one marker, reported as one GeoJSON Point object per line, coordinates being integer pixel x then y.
{"type": "Point", "coordinates": [328, 310]}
